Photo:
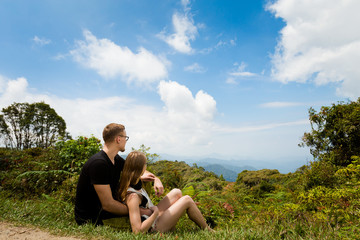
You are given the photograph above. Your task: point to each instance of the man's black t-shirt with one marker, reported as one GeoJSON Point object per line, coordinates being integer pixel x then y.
{"type": "Point", "coordinates": [97, 170]}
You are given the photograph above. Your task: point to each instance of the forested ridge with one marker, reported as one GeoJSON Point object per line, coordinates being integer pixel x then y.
{"type": "Point", "coordinates": [320, 200]}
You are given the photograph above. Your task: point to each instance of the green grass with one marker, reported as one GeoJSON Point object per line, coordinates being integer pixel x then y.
{"type": "Point", "coordinates": [56, 216]}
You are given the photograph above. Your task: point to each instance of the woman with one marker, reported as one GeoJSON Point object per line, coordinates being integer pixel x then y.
{"type": "Point", "coordinates": [169, 210]}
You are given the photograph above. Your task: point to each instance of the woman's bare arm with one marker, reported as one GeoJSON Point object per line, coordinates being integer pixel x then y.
{"type": "Point", "coordinates": [133, 201]}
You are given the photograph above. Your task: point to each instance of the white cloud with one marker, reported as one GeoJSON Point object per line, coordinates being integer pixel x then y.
{"type": "Point", "coordinates": [220, 44]}
{"type": "Point", "coordinates": [185, 126]}
{"type": "Point", "coordinates": [231, 80]}
{"type": "Point", "coordinates": [113, 61]}
{"type": "Point", "coordinates": [60, 56]}
{"type": "Point", "coordinates": [3, 82]}
{"type": "Point", "coordinates": [12, 90]}
{"type": "Point", "coordinates": [195, 68]}
{"type": "Point", "coordinates": [185, 3]}
{"type": "Point", "coordinates": [242, 74]}
{"type": "Point", "coordinates": [183, 116]}
{"type": "Point", "coordinates": [239, 72]}
{"type": "Point", "coordinates": [281, 104]}
{"type": "Point", "coordinates": [319, 43]}
{"type": "Point", "coordinates": [83, 116]}
{"type": "Point", "coordinates": [255, 128]}
{"type": "Point", "coordinates": [184, 30]}
{"type": "Point", "coordinates": [41, 41]}
{"type": "Point", "coordinates": [181, 105]}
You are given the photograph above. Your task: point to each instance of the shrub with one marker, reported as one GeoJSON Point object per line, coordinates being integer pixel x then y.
{"type": "Point", "coordinates": [252, 178]}
{"type": "Point", "coordinates": [320, 173]}
{"type": "Point", "coordinates": [67, 190]}
{"type": "Point", "coordinates": [351, 173]}
{"type": "Point", "coordinates": [39, 182]}
{"type": "Point", "coordinates": [74, 153]}
{"type": "Point", "coordinates": [20, 165]}
{"type": "Point", "coordinates": [11, 159]}
{"type": "Point", "coordinates": [216, 210]}
{"type": "Point", "coordinates": [180, 175]}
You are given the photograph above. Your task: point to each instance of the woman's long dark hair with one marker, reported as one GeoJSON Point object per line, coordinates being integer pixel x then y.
{"type": "Point", "coordinates": [133, 168]}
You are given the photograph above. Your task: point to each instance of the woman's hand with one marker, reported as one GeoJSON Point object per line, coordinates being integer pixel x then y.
{"type": "Point", "coordinates": [155, 210]}
{"type": "Point", "coordinates": [146, 211]}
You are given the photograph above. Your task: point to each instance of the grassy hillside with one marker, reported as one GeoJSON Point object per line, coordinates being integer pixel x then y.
{"type": "Point", "coordinates": [319, 201]}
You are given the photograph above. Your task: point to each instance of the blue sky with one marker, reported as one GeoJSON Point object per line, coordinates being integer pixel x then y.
{"type": "Point", "coordinates": [191, 79]}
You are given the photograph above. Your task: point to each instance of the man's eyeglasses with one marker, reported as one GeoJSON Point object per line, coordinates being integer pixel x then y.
{"type": "Point", "coordinates": [126, 137]}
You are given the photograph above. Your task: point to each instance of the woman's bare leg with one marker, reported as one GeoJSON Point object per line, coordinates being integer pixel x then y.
{"type": "Point", "coordinates": [169, 200]}
{"type": "Point", "coordinates": [171, 216]}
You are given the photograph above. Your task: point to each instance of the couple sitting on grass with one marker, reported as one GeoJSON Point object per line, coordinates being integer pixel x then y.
{"type": "Point", "coordinates": [101, 194]}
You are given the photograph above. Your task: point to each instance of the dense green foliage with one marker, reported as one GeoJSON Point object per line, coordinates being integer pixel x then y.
{"type": "Point", "coordinates": [24, 125]}
{"type": "Point", "coordinates": [74, 153]}
{"type": "Point", "coordinates": [35, 171]}
{"type": "Point", "coordinates": [335, 134]}
{"type": "Point", "coordinates": [30, 172]}
{"type": "Point", "coordinates": [180, 175]}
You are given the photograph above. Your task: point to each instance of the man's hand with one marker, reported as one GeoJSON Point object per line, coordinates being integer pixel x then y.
{"type": "Point", "coordinates": [158, 187]}
{"type": "Point", "coordinates": [147, 177]}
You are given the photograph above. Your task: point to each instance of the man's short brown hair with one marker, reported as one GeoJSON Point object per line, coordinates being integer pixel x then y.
{"type": "Point", "coordinates": [111, 131]}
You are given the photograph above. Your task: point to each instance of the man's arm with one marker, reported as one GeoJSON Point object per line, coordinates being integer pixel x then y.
{"type": "Point", "coordinates": [150, 177]}
{"type": "Point", "coordinates": [108, 203]}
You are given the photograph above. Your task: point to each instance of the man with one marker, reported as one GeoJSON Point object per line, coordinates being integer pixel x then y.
{"type": "Point", "coordinates": [96, 192]}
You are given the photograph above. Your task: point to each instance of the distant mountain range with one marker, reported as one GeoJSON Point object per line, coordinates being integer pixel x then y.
{"type": "Point", "coordinates": [231, 168]}
{"type": "Point", "coordinates": [229, 172]}
{"type": "Point", "coordinates": [216, 166]}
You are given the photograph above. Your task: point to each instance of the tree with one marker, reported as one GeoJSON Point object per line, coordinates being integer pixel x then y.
{"type": "Point", "coordinates": [24, 125]}
{"type": "Point", "coordinates": [15, 125]}
{"type": "Point", "coordinates": [335, 133]}
{"type": "Point", "coordinates": [151, 157]}
{"type": "Point", "coordinates": [48, 126]}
